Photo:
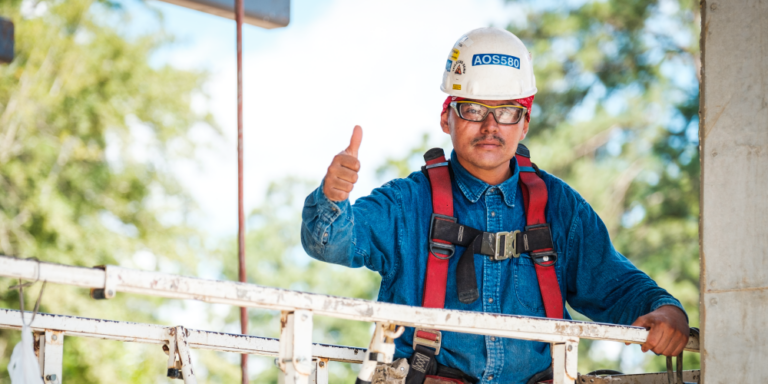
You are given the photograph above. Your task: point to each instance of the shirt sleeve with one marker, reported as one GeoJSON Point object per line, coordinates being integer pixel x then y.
{"type": "Point", "coordinates": [602, 284]}
{"type": "Point", "coordinates": [363, 234]}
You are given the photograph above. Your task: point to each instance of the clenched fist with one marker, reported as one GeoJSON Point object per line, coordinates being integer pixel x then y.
{"type": "Point", "coordinates": [342, 173]}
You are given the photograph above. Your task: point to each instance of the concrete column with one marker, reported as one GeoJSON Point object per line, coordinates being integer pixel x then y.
{"type": "Point", "coordinates": [734, 194]}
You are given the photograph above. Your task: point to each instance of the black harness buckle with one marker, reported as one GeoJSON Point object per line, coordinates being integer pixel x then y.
{"type": "Point", "coordinates": [438, 249]}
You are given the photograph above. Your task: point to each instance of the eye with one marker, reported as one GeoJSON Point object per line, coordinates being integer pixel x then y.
{"type": "Point", "coordinates": [472, 110]}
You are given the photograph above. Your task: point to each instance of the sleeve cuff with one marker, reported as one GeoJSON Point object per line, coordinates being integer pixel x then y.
{"type": "Point", "coordinates": [669, 301]}
{"type": "Point", "coordinates": [329, 211]}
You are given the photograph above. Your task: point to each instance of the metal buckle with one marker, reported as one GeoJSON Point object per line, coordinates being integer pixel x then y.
{"type": "Point", "coordinates": [427, 342]}
{"type": "Point", "coordinates": [506, 246]}
{"type": "Point", "coordinates": [436, 248]}
{"type": "Point", "coordinates": [544, 259]}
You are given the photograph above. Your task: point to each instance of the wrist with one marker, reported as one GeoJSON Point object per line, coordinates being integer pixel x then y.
{"type": "Point", "coordinates": [672, 309]}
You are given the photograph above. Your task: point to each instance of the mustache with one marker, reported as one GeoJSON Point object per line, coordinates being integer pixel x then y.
{"type": "Point", "coordinates": [489, 138]}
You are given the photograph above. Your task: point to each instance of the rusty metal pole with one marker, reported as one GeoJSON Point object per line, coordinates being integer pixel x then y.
{"type": "Point", "coordinates": [239, 11]}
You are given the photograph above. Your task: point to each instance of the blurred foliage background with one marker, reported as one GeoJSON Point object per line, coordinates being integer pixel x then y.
{"type": "Point", "coordinates": [87, 128]}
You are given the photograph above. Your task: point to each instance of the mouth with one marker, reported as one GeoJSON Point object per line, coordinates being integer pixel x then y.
{"type": "Point", "coordinates": [488, 143]}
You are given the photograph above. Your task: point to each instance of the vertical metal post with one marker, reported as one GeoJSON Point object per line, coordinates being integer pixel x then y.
{"type": "Point", "coordinates": [320, 375]}
{"type": "Point", "coordinates": [239, 13]}
{"type": "Point", "coordinates": [52, 354]}
{"type": "Point", "coordinates": [172, 368]}
{"type": "Point", "coordinates": [286, 347]}
{"type": "Point", "coordinates": [41, 352]}
{"type": "Point", "coordinates": [565, 359]}
{"type": "Point", "coordinates": [295, 356]}
{"type": "Point", "coordinates": [187, 372]}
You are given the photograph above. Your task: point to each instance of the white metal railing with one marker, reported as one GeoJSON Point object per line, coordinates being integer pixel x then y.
{"type": "Point", "coordinates": [156, 334]}
{"type": "Point", "coordinates": [295, 349]}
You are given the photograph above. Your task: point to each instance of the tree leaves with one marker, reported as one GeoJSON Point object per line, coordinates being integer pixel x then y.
{"type": "Point", "coordinates": [77, 91]}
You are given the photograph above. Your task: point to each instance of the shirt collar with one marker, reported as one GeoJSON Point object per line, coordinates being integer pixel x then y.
{"type": "Point", "coordinates": [474, 188]}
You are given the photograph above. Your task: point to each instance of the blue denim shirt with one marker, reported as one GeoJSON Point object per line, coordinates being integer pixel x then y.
{"type": "Point", "coordinates": [387, 232]}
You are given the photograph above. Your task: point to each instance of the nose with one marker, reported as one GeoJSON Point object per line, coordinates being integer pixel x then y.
{"type": "Point", "coordinates": [490, 125]}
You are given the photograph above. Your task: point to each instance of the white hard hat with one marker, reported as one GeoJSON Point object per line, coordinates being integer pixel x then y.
{"type": "Point", "coordinates": [489, 64]}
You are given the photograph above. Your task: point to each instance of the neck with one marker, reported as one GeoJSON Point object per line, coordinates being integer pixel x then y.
{"type": "Point", "coordinates": [494, 176]}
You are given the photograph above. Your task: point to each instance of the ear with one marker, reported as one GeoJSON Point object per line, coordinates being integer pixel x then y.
{"type": "Point", "coordinates": [444, 121]}
{"type": "Point", "coordinates": [525, 130]}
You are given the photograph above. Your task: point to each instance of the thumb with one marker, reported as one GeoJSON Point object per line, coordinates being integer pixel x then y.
{"type": "Point", "coordinates": [354, 142]}
{"type": "Point", "coordinates": [642, 322]}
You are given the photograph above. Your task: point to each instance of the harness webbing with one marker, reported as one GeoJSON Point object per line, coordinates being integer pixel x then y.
{"type": "Point", "coordinates": [442, 204]}
{"type": "Point", "coordinates": [535, 198]}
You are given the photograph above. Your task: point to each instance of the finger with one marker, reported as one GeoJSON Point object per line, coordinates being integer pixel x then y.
{"type": "Point", "coordinates": [642, 321]}
{"type": "Point", "coordinates": [345, 174]}
{"type": "Point", "coordinates": [354, 142]}
{"type": "Point", "coordinates": [331, 193]}
{"type": "Point", "coordinates": [347, 161]}
{"type": "Point", "coordinates": [654, 337]}
{"type": "Point", "coordinates": [677, 344]}
{"type": "Point", "coordinates": [666, 337]}
{"type": "Point", "coordinates": [342, 185]}
{"type": "Point", "coordinates": [336, 196]}
{"type": "Point", "coordinates": [680, 346]}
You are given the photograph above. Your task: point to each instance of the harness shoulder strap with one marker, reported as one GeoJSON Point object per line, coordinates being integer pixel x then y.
{"type": "Point", "coordinates": [426, 342]}
{"type": "Point", "coordinates": [439, 251]}
{"type": "Point", "coordinates": [535, 198]}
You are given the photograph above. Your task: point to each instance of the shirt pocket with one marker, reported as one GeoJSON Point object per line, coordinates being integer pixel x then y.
{"type": "Point", "coordinates": [527, 285]}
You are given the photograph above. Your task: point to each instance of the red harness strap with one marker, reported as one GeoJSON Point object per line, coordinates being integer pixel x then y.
{"type": "Point", "coordinates": [535, 199]}
{"type": "Point", "coordinates": [442, 204]}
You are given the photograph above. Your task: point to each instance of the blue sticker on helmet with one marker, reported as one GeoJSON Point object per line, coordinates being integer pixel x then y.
{"type": "Point", "coordinates": [448, 66]}
{"type": "Point", "coordinates": [495, 59]}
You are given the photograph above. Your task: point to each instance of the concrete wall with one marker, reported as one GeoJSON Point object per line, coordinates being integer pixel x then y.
{"type": "Point", "coordinates": [734, 197]}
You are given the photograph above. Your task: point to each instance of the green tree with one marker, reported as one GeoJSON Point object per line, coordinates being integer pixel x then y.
{"type": "Point", "coordinates": [617, 119]}
{"type": "Point", "coordinates": [75, 185]}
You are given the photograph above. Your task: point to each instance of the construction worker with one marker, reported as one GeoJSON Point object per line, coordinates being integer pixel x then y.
{"type": "Point", "coordinates": [488, 190]}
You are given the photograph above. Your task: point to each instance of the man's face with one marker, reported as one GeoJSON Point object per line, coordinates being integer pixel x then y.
{"type": "Point", "coordinates": [485, 145]}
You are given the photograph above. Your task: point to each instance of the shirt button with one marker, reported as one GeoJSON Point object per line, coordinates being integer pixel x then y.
{"type": "Point", "coordinates": [325, 234]}
{"type": "Point", "coordinates": [493, 338]}
{"type": "Point", "coordinates": [493, 214]}
{"type": "Point", "coordinates": [490, 377]}
{"type": "Point", "coordinates": [490, 299]}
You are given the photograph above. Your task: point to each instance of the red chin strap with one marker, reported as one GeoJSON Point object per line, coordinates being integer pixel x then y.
{"type": "Point", "coordinates": [525, 102]}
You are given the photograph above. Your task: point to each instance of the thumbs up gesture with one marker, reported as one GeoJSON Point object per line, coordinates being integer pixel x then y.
{"type": "Point", "coordinates": [342, 173]}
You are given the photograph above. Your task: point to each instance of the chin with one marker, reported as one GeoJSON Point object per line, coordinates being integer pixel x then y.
{"type": "Point", "coordinates": [488, 161]}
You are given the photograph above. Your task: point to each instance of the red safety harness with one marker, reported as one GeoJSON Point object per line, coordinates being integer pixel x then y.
{"type": "Point", "coordinates": [445, 232]}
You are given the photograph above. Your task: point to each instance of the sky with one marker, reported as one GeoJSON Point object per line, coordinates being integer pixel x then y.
{"type": "Point", "coordinates": [338, 64]}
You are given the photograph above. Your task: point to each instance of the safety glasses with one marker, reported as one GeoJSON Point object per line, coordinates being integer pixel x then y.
{"type": "Point", "coordinates": [474, 111]}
